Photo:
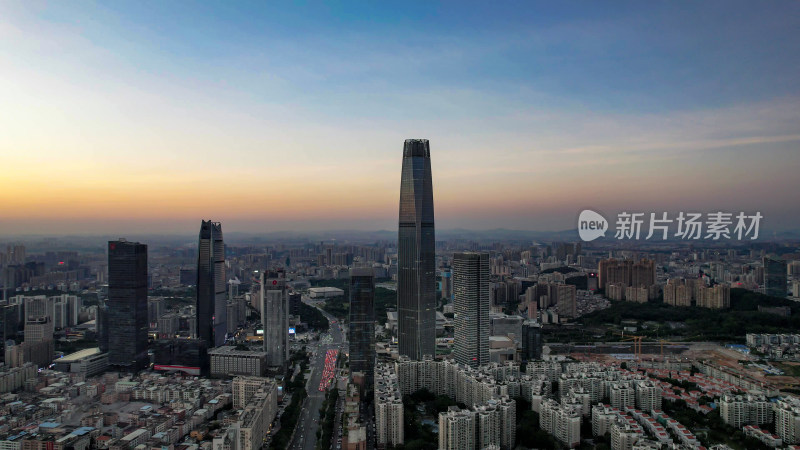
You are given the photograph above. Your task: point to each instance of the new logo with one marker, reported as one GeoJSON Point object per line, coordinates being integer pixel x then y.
{"type": "Point", "coordinates": [591, 225]}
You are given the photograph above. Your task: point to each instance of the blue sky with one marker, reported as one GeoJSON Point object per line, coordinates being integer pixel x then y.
{"type": "Point", "coordinates": [649, 105]}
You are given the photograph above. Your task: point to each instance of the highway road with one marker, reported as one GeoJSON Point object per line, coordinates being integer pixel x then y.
{"type": "Point", "coordinates": [305, 437]}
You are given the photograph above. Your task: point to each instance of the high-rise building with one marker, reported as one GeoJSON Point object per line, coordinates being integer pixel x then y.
{"type": "Point", "coordinates": [787, 419]}
{"type": "Point", "coordinates": [39, 346]}
{"type": "Point", "coordinates": [457, 429]}
{"type": "Point", "coordinates": [563, 422]}
{"type": "Point", "coordinates": [244, 388]}
{"type": "Point", "coordinates": [295, 303]}
{"type": "Point", "coordinates": [775, 277]}
{"type": "Point", "coordinates": [748, 409]}
{"type": "Point", "coordinates": [127, 304]}
{"type": "Point", "coordinates": [9, 321]}
{"type": "Point", "coordinates": [717, 297]}
{"type": "Point", "coordinates": [677, 292]}
{"type": "Point", "coordinates": [388, 408]}
{"type": "Point", "coordinates": [471, 308]}
{"type": "Point", "coordinates": [531, 340]}
{"type": "Point", "coordinates": [447, 286]}
{"type": "Point", "coordinates": [567, 302]}
{"type": "Point", "coordinates": [15, 253]}
{"type": "Point", "coordinates": [155, 309]}
{"type": "Point", "coordinates": [626, 272]}
{"type": "Point", "coordinates": [275, 318]}
{"type": "Point", "coordinates": [648, 395]}
{"type": "Point", "coordinates": [416, 259]}
{"type": "Point", "coordinates": [362, 326]}
{"type": "Point", "coordinates": [622, 394]}
{"type": "Point", "coordinates": [211, 302]}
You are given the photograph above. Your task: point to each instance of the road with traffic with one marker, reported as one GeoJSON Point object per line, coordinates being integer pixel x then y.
{"type": "Point", "coordinates": [305, 436]}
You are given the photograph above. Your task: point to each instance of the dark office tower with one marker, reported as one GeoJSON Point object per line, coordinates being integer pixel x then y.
{"type": "Point", "coordinates": [211, 301]}
{"type": "Point", "coordinates": [295, 302]}
{"type": "Point", "coordinates": [416, 259]}
{"type": "Point", "coordinates": [9, 321]}
{"type": "Point", "coordinates": [471, 308]}
{"type": "Point", "coordinates": [127, 305]}
{"type": "Point", "coordinates": [775, 277]}
{"type": "Point", "coordinates": [362, 326]}
{"type": "Point", "coordinates": [531, 340]}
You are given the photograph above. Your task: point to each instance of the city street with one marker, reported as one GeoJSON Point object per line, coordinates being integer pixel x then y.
{"type": "Point", "coordinates": [305, 436]}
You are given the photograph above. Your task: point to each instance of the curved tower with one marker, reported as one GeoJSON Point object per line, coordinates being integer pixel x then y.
{"type": "Point", "coordinates": [416, 256]}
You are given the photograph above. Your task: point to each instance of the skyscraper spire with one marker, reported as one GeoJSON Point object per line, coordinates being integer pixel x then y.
{"type": "Point", "coordinates": [416, 259]}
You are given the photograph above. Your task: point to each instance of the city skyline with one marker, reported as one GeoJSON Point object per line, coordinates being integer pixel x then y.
{"type": "Point", "coordinates": [613, 260]}
{"type": "Point", "coordinates": [119, 114]}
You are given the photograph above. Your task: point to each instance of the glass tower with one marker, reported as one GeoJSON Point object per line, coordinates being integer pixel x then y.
{"type": "Point", "coordinates": [212, 305]}
{"type": "Point", "coordinates": [471, 308]}
{"type": "Point", "coordinates": [362, 326]}
{"type": "Point", "coordinates": [416, 257]}
{"type": "Point", "coordinates": [127, 305]}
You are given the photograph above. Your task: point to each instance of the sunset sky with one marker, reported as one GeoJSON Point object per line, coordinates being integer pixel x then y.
{"type": "Point", "coordinates": [149, 116]}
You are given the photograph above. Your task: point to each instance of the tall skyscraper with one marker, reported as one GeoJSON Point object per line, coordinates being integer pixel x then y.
{"type": "Point", "coordinates": [127, 304]}
{"type": "Point", "coordinates": [471, 308]}
{"type": "Point", "coordinates": [362, 326]}
{"type": "Point", "coordinates": [275, 317]}
{"type": "Point", "coordinates": [775, 277]}
{"type": "Point", "coordinates": [211, 302]}
{"type": "Point", "coordinates": [416, 259]}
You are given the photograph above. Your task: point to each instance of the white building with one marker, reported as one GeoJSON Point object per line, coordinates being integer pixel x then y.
{"type": "Point", "coordinates": [622, 394]}
{"type": "Point", "coordinates": [787, 419]}
{"type": "Point", "coordinates": [563, 422]}
{"type": "Point", "coordinates": [457, 429]}
{"type": "Point", "coordinates": [388, 407]}
{"type": "Point", "coordinates": [256, 417]}
{"type": "Point", "coordinates": [244, 388]}
{"type": "Point", "coordinates": [648, 395]}
{"type": "Point", "coordinates": [750, 409]}
{"type": "Point", "coordinates": [624, 435]}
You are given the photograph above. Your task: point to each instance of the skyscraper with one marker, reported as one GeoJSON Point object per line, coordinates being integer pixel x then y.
{"type": "Point", "coordinates": [211, 302]}
{"type": "Point", "coordinates": [531, 340]}
{"type": "Point", "coordinates": [127, 304]}
{"type": "Point", "coordinates": [275, 317]}
{"type": "Point", "coordinates": [416, 259]}
{"type": "Point", "coordinates": [362, 326]}
{"type": "Point", "coordinates": [471, 308]}
{"type": "Point", "coordinates": [775, 277]}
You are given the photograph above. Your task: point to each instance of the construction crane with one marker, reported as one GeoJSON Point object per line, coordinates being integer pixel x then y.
{"type": "Point", "coordinates": [637, 343]}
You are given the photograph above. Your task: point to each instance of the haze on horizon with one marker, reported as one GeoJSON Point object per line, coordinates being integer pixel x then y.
{"type": "Point", "coordinates": [148, 117]}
